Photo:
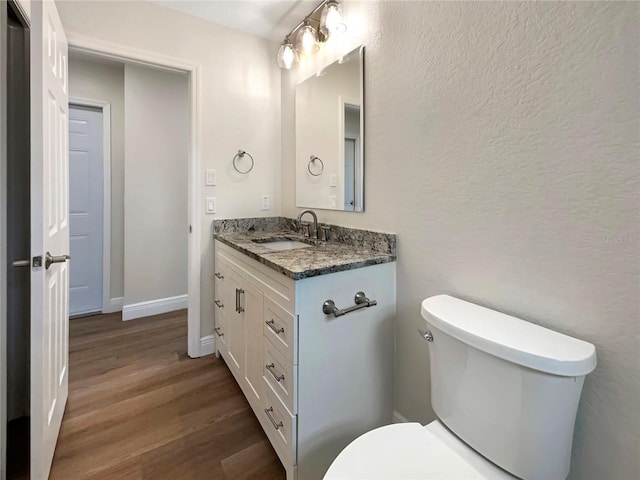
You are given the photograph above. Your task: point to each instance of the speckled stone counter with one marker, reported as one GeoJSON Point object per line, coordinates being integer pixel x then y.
{"type": "Point", "coordinates": [319, 259]}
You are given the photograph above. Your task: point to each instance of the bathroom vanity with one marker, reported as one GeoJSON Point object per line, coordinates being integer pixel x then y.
{"type": "Point", "coordinates": [315, 380]}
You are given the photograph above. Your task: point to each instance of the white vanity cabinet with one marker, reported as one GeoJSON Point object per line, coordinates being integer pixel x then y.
{"type": "Point", "coordinates": [314, 381]}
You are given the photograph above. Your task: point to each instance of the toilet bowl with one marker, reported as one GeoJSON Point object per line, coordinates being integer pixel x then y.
{"type": "Point", "coordinates": [410, 451]}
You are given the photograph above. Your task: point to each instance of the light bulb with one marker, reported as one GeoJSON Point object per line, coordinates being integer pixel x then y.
{"type": "Point", "coordinates": [287, 56]}
{"type": "Point", "coordinates": [307, 40]}
{"type": "Point", "coordinates": [331, 19]}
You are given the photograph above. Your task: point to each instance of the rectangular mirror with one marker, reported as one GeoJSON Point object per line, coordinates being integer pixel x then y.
{"type": "Point", "coordinates": [330, 136]}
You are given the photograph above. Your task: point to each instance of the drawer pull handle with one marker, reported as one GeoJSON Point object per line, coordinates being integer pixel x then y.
{"type": "Point", "coordinates": [278, 425]}
{"type": "Point", "coordinates": [239, 307]}
{"type": "Point", "coordinates": [219, 275]}
{"type": "Point", "coordinates": [218, 303]}
{"type": "Point", "coordinates": [271, 324]}
{"type": "Point", "coordinates": [271, 368]}
{"type": "Point", "coordinates": [217, 330]}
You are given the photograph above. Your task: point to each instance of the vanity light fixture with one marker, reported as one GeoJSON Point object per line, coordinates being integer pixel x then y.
{"type": "Point", "coordinates": [287, 55]}
{"type": "Point", "coordinates": [307, 39]}
{"type": "Point", "coordinates": [310, 32]}
{"type": "Point", "coordinates": [331, 19]}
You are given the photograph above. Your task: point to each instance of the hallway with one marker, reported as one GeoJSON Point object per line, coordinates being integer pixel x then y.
{"type": "Point", "coordinates": [139, 408]}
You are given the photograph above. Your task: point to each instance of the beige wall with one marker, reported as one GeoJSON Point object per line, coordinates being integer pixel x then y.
{"type": "Point", "coordinates": [502, 148]}
{"type": "Point", "coordinates": [240, 102]}
{"type": "Point", "coordinates": [156, 184]}
{"type": "Point", "coordinates": [100, 81]}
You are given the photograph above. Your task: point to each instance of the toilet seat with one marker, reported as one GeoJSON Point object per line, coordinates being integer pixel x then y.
{"type": "Point", "coordinates": [409, 451]}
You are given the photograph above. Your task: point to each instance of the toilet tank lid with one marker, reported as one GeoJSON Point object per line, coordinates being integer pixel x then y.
{"type": "Point", "coordinates": [510, 338]}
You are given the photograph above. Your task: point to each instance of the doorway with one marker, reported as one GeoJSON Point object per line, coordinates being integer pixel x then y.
{"type": "Point", "coordinates": [18, 246]}
{"type": "Point", "coordinates": [86, 222]}
{"type": "Point", "coordinates": [104, 51]}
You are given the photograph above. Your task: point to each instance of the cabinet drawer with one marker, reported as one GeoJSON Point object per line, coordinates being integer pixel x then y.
{"type": "Point", "coordinates": [281, 328]}
{"type": "Point", "coordinates": [282, 375]}
{"type": "Point", "coordinates": [280, 426]}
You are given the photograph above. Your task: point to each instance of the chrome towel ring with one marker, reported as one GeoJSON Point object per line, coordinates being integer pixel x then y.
{"type": "Point", "coordinates": [240, 155]}
{"type": "Point", "coordinates": [312, 159]}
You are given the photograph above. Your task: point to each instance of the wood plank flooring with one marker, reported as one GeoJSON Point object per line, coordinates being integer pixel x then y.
{"type": "Point", "coordinates": [140, 409]}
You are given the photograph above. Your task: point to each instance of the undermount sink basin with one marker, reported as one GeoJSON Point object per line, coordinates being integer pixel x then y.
{"type": "Point", "coordinates": [280, 245]}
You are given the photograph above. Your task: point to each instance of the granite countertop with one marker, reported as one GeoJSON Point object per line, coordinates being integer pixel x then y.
{"type": "Point", "coordinates": [319, 259]}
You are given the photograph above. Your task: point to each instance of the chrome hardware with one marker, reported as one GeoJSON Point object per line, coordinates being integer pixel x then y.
{"type": "Point", "coordinates": [217, 330]}
{"type": "Point", "coordinates": [50, 259]}
{"type": "Point", "coordinates": [315, 221]}
{"type": "Point", "coordinates": [271, 324]}
{"type": "Point", "coordinates": [275, 425]}
{"type": "Point", "coordinates": [239, 308]}
{"type": "Point", "coordinates": [306, 228]}
{"type": "Point", "coordinates": [361, 301]}
{"type": "Point", "coordinates": [312, 159]}
{"type": "Point", "coordinates": [426, 334]}
{"type": "Point", "coordinates": [324, 232]}
{"type": "Point", "coordinates": [218, 275]}
{"type": "Point", "coordinates": [271, 367]}
{"type": "Point", "coordinates": [218, 303]}
{"type": "Point", "coordinates": [22, 263]}
{"type": "Point", "coordinates": [240, 155]}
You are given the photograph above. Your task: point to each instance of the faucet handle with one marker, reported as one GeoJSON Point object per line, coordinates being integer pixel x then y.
{"type": "Point", "coordinates": [305, 227]}
{"type": "Point", "coordinates": [324, 232]}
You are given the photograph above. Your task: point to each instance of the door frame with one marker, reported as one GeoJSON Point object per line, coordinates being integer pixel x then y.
{"type": "Point", "coordinates": [3, 238]}
{"type": "Point", "coordinates": [126, 54]}
{"type": "Point", "coordinates": [105, 107]}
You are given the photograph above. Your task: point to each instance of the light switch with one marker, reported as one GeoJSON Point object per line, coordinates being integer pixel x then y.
{"type": "Point", "coordinates": [333, 180]}
{"type": "Point", "coordinates": [264, 204]}
{"type": "Point", "coordinates": [210, 205]}
{"type": "Point", "coordinates": [209, 177]}
{"type": "Point", "coordinates": [334, 201]}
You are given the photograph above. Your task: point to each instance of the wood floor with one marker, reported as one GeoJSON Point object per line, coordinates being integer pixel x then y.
{"type": "Point", "coordinates": [140, 409]}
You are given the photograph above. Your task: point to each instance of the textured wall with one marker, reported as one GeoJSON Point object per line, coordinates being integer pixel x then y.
{"type": "Point", "coordinates": [239, 103]}
{"type": "Point", "coordinates": [502, 148]}
{"type": "Point", "coordinates": [100, 81]}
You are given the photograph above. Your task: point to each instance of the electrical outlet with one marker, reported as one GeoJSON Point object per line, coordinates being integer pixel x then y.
{"type": "Point", "coordinates": [334, 201]}
{"type": "Point", "coordinates": [210, 205]}
{"type": "Point", "coordinates": [333, 180]}
{"type": "Point", "coordinates": [210, 177]}
{"type": "Point", "coordinates": [264, 204]}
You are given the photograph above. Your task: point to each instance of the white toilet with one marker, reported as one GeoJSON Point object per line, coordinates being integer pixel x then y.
{"type": "Point", "coordinates": [505, 391]}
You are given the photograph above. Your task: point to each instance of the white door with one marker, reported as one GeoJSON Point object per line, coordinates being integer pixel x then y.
{"type": "Point", "coordinates": [85, 210]}
{"type": "Point", "coordinates": [349, 173]}
{"type": "Point", "coordinates": [49, 233]}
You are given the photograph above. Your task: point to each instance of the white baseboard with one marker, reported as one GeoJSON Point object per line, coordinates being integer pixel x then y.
{"type": "Point", "coordinates": [154, 307]}
{"type": "Point", "coordinates": [397, 418]}
{"type": "Point", "coordinates": [115, 305]}
{"type": "Point", "coordinates": [207, 345]}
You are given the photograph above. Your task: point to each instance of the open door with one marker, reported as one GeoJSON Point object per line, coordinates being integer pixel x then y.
{"type": "Point", "coordinates": [49, 233]}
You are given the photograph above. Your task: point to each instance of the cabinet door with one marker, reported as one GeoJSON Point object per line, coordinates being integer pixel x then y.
{"type": "Point", "coordinates": [253, 301]}
{"type": "Point", "coordinates": [235, 322]}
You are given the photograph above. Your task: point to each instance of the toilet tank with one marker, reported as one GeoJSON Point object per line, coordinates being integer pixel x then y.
{"type": "Point", "coordinates": [508, 388]}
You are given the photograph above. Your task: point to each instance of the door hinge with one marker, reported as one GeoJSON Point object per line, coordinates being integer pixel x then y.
{"type": "Point", "coordinates": [190, 229]}
{"type": "Point", "coordinates": [37, 261]}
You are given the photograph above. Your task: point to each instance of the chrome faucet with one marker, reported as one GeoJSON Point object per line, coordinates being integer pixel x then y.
{"type": "Point", "coordinates": [315, 222]}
